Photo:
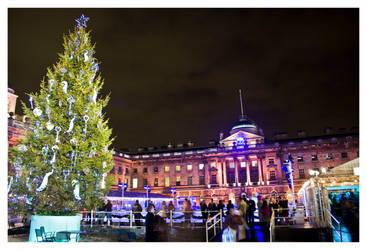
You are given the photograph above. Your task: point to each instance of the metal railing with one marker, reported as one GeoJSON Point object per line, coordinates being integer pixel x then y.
{"type": "Point", "coordinates": [272, 225]}
{"type": "Point", "coordinates": [131, 218]}
{"type": "Point", "coordinates": [213, 225]}
{"type": "Point", "coordinates": [339, 226]}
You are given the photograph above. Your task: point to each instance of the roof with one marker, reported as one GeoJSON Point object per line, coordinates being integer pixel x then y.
{"type": "Point", "coordinates": [116, 193]}
{"type": "Point", "coordinates": [247, 125]}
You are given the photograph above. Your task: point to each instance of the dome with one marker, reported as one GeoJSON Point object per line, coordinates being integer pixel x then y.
{"type": "Point", "coordinates": [247, 125]}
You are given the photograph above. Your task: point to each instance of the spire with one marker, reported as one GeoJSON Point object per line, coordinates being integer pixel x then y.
{"type": "Point", "coordinates": [242, 116]}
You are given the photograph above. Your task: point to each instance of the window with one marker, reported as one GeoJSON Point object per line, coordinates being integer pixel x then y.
{"type": "Point", "coordinates": [145, 170]}
{"type": "Point", "coordinates": [344, 155]}
{"type": "Point", "coordinates": [299, 158]}
{"type": "Point", "coordinates": [271, 161]}
{"type": "Point", "coordinates": [145, 182]}
{"type": "Point", "coordinates": [166, 169]}
{"type": "Point", "coordinates": [166, 182]}
{"type": "Point", "coordinates": [201, 180]}
{"type": "Point", "coordinates": [112, 171]}
{"type": "Point", "coordinates": [201, 166]}
{"type": "Point", "coordinates": [254, 163]}
{"type": "Point", "coordinates": [156, 182]}
{"type": "Point", "coordinates": [314, 158]}
{"type": "Point", "coordinates": [155, 169]}
{"type": "Point", "coordinates": [119, 179]}
{"type": "Point", "coordinates": [272, 176]}
{"type": "Point", "coordinates": [213, 179]}
{"type": "Point", "coordinates": [243, 164]}
{"type": "Point", "coordinates": [120, 170]}
{"type": "Point", "coordinates": [178, 180]}
{"type": "Point", "coordinates": [189, 181]}
{"type": "Point", "coordinates": [126, 171]}
{"type": "Point", "coordinates": [329, 156]}
{"type": "Point", "coordinates": [212, 165]}
{"type": "Point", "coordinates": [178, 168]}
{"type": "Point", "coordinates": [189, 167]}
{"type": "Point", "coordinates": [231, 164]}
{"type": "Point", "coordinates": [301, 173]}
{"type": "Point", "coordinates": [135, 171]}
{"type": "Point", "coordinates": [135, 182]}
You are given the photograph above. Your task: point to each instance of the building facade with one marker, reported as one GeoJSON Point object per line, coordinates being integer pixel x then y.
{"type": "Point", "coordinates": [244, 162]}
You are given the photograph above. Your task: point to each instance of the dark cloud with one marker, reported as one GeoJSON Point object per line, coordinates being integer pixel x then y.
{"type": "Point", "coordinates": [174, 74]}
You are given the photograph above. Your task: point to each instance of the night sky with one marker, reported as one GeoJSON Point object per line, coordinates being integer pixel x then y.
{"type": "Point", "coordinates": [174, 74]}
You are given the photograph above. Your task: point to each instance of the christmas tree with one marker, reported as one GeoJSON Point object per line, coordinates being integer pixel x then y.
{"type": "Point", "coordinates": [61, 165]}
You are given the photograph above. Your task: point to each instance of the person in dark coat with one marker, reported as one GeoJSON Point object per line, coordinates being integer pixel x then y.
{"type": "Point", "coordinates": [212, 207]}
{"type": "Point", "coordinates": [204, 211]}
{"type": "Point", "coordinates": [150, 222]}
{"type": "Point", "coordinates": [137, 213]}
{"type": "Point", "coordinates": [350, 217]}
{"type": "Point", "coordinates": [108, 210]}
{"type": "Point", "coordinates": [229, 206]}
{"type": "Point", "coordinates": [221, 206]}
{"type": "Point", "coordinates": [160, 228]}
{"type": "Point", "coordinates": [250, 211]}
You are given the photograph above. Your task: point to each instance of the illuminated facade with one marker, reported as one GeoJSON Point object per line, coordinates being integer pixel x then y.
{"type": "Point", "coordinates": [243, 162]}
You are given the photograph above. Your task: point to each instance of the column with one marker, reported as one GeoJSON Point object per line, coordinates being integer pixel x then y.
{"type": "Point", "coordinates": [219, 172]}
{"type": "Point", "coordinates": [248, 162]}
{"type": "Point", "coordinates": [235, 170]}
{"type": "Point", "coordinates": [279, 168]}
{"type": "Point", "coordinates": [264, 171]}
{"type": "Point", "coordinates": [207, 177]}
{"type": "Point", "coordinates": [224, 172]}
{"type": "Point", "coordinates": [259, 167]}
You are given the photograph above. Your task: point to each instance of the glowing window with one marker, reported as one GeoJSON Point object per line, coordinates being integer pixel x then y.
{"type": "Point", "coordinates": [231, 164]}
{"type": "Point", "coordinates": [166, 182]}
{"type": "Point", "coordinates": [135, 182]}
{"type": "Point", "coordinates": [254, 163]}
{"type": "Point", "coordinates": [201, 166]}
{"type": "Point", "coordinates": [178, 181]}
{"type": "Point", "coordinates": [189, 167]}
{"type": "Point", "coordinates": [178, 168]}
{"type": "Point", "coordinates": [212, 165]}
{"type": "Point", "coordinates": [243, 164]}
{"type": "Point", "coordinates": [166, 169]}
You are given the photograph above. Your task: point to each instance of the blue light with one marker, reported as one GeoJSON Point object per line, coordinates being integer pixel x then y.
{"type": "Point", "coordinates": [82, 21]}
{"type": "Point", "coordinates": [343, 187]}
{"type": "Point", "coordinates": [240, 140]}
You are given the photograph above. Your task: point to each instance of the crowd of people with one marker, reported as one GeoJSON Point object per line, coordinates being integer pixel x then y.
{"type": "Point", "coordinates": [240, 223]}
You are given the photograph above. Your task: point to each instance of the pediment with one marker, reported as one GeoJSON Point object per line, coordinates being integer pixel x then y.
{"type": "Point", "coordinates": [246, 135]}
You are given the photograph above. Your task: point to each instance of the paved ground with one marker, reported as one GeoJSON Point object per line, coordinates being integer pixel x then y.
{"type": "Point", "coordinates": [97, 233]}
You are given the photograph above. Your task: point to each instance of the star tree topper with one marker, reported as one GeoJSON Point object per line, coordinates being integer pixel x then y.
{"type": "Point", "coordinates": [82, 21]}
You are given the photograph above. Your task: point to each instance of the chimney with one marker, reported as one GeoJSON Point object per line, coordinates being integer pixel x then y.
{"type": "Point", "coordinates": [328, 130]}
{"type": "Point", "coordinates": [301, 133]}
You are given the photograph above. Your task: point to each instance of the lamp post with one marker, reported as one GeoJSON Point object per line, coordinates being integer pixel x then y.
{"type": "Point", "coordinates": [123, 187]}
{"type": "Point", "coordinates": [173, 192]}
{"type": "Point", "coordinates": [147, 187]}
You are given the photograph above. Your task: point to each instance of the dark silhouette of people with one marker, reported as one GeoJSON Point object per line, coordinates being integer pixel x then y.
{"type": "Point", "coordinates": [212, 207]}
{"type": "Point", "coordinates": [150, 234]}
{"type": "Point", "coordinates": [204, 211]}
{"type": "Point", "coordinates": [229, 206]}
{"type": "Point", "coordinates": [350, 217]}
{"type": "Point", "coordinates": [221, 206]}
{"type": "Point", "coordinates": [137, 213]}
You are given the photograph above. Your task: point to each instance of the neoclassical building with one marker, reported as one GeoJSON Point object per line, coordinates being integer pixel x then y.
{"type": "Point", "coordinates": [242, 162]}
